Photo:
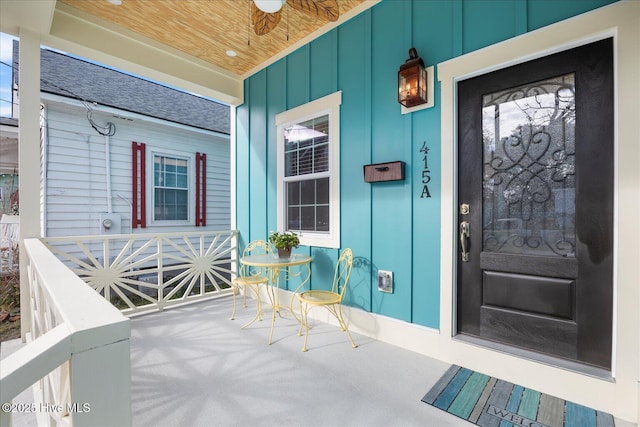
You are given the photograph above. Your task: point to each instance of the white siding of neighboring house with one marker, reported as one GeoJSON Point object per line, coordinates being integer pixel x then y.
{"type": "Point", "coordinates": [76, 185]}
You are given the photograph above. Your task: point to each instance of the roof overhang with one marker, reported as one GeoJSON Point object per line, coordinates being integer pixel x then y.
{"type": "Point", "coordinates": [81, 35]}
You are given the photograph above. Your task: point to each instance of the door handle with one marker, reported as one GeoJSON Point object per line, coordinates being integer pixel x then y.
{"type": "Point", "coordinates": [464, 240]}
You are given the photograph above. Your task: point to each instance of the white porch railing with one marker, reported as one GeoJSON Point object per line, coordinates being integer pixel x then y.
{"type": "Point", "coordinates": [77, 357]}
{"type": "Point", "coordinates": [78, 353]}
{"type": "Point", "coordinates": [147, 272]}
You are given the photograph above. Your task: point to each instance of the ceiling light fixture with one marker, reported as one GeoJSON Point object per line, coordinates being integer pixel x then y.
{"type": "Point", "coordinates": [115, 2]}
{"type": "Point", "coordinates": [232, 53]}
{"type": "Point", "coordinates": [269, 6]}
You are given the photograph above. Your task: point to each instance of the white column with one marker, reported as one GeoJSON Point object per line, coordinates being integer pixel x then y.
{"type": "Point", "coordinates": [29, 157]}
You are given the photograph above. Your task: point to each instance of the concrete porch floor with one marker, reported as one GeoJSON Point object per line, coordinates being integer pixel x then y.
{"type": "Point", "coordinates": [193, 366]}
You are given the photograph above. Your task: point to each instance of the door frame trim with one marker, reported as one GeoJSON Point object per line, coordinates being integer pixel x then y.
{"type": "Point", "coordinates": [582, 328]}
{"type": "Point", "coordinates": [620, 21]}
{"type": "Point", "coordinates": [472, 65]}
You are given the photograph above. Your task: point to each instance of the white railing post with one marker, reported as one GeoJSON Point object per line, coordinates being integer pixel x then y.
{"type": "Point", "coordinates": [101, 386]}
{"type": "Point", "coordinates": [160, 279]}
{"type": "Point", "coordinates": [234, 254]}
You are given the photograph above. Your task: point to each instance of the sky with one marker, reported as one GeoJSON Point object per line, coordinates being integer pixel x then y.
{"type": "Point", "coordinates": [6, 46]}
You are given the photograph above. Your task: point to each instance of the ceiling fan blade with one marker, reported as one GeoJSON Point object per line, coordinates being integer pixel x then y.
{"type": "Point", "coordinates": [326, 9]}
{"type": "Point", "coordinates": [263, 22]}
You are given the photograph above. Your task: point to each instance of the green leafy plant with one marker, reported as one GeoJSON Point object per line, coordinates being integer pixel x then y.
{"type": "Point", "coordinates": [287, 239]}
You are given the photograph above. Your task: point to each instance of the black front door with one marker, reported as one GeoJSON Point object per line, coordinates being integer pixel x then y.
{"type": "Point", "coordinates": [535, 193]}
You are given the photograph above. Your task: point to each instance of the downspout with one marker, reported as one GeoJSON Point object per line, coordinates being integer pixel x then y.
{"type": "Point", "coordinates": [45, 167]}
{"type": "Point", "coordinates": [108, 130]}
{"type": "Point", "coordinates": [107, 157]}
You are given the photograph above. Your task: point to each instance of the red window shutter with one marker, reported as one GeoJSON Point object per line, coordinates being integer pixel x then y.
{"type": "Point", "coordinates": [138, 190]}
{"type": "Point", "coordinates": [201, 189]}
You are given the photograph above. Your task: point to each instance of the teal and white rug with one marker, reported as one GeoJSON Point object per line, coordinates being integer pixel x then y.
{"type": "Point", "coordinates": [490, 402]}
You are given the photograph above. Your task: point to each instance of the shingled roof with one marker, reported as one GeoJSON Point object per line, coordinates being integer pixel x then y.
{"type": "Point", "coordinates": [67, 76]}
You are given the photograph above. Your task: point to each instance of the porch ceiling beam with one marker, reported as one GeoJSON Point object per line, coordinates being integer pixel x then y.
{"type": "Point", "coordinates": [35, 15]}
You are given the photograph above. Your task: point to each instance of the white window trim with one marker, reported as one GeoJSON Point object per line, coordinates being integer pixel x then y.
{"type": "Point", "coordinates": [330, 105]}
{"type": "Point", "coordinates": [190, 157]}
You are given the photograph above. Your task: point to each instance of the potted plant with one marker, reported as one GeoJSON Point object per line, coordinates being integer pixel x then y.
{"type": "Point", "coordinates": [284, 242]}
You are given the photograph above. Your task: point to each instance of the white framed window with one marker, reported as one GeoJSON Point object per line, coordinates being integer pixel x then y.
{"type": "Point", "coordinates": [308, 190]}
{"type": "Point", "coordinates": [171, 198]}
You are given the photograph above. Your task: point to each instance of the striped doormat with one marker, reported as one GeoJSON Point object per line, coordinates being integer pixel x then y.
{"type": "Point", "coordinates": [490, 402]}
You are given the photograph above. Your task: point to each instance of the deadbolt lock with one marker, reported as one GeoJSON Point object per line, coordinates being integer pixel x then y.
{"type": "Point", "coordinates": [464, 209]}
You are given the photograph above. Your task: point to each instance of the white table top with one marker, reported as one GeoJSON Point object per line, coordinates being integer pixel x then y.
{"type": "Point", "coordinates": [264, 260]}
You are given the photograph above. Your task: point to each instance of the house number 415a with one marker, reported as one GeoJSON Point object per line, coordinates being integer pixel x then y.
{"type": "Point", "coordinates": [426, 173]}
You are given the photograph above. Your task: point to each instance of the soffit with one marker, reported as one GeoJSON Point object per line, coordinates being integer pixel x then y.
{"type": "Point", "coordinates": [181, 43]}
{"type": "Point", "coordinates": [206, 29]}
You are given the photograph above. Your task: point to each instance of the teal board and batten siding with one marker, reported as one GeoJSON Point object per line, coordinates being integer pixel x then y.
{"type": "Point", "coordinates": [388, 225]}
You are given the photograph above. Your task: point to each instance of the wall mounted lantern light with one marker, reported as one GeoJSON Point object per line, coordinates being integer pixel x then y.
{"type": "Point", "coordinates": [412, 81]}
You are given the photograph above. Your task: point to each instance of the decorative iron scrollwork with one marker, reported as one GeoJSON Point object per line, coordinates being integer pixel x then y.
{"type": "Point", "coordinates": [529, 168]}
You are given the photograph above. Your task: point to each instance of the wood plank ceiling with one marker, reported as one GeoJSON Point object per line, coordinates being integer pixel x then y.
{"type": "Point", "coordinates": [207, 29]}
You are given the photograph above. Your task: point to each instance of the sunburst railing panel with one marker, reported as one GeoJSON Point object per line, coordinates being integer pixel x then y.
{"type": "Point", "coordinates": [146, 272]}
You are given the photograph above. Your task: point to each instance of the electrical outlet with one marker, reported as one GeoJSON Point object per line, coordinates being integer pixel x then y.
{"type": "Point", "coordinates": [385, 281]}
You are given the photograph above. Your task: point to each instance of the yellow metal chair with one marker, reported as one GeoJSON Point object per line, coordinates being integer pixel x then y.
{"type": "Point", "coordinates": [251, 278]}
{"type": "Point", "coordinates": [331, 300]}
